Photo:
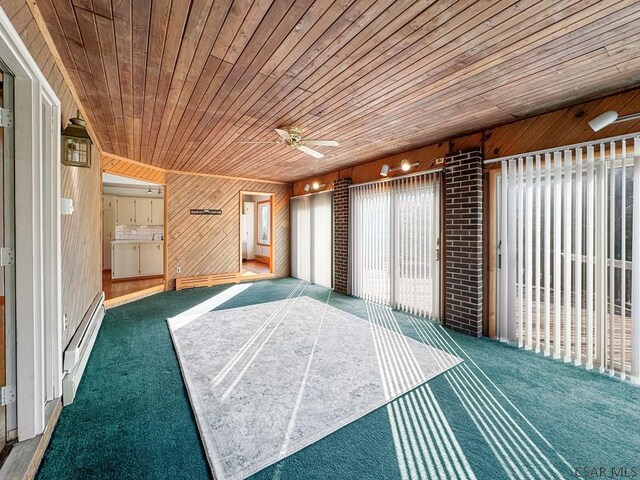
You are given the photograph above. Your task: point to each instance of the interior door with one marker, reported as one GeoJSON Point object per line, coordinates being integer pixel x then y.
{"type": "Point", "coordinates": [7, 267]}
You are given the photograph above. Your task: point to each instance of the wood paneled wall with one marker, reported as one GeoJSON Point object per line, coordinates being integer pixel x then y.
{"type": "Point", "coordinates": [208, 244]}
{"type": "Point", "coordinates": [366, 172]}
{"type": "Point", "coordinates": [132, 169]}
{"type": "Point", "coordinates": [565, 126]}
{"type": "Point", "coordinates": [560, 127]}
{"type": "Point", "coordinates": [81, 245]}
{"type": "Point", "coordinates": [81, 241]}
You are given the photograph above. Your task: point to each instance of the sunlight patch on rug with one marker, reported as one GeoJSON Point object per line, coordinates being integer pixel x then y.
{"type": "Point", "coordinates": [268, 380]}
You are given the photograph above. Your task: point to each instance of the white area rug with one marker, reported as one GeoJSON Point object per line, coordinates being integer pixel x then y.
{"type": "Point", "coordinates": [268, 380]}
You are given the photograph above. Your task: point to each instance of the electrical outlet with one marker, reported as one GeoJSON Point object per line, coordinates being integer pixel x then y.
{"type": "Point", "coordinates": [179, 270]}
{"type": "Point", "coordinates": [65, 317]}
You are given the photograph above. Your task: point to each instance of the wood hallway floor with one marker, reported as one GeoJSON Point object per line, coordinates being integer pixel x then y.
{"type": "Point", "coordinates": [119, 288]}
{"type": "Point", "coordinates": [252, 267]}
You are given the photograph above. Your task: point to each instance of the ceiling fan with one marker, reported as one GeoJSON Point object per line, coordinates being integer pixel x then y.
{"type": "Point", "coordinates": [292, 136]}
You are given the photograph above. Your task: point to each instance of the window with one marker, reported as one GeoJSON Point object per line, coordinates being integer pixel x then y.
{"type": "Point", "coordinates": [264, 223]}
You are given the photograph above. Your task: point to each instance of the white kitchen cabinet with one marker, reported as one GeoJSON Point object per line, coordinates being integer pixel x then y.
{"type": "Point", "coordinates": [126, 211]}
{"type": "Point", "coordinates": [143, 211]}
{"type": "Point", "coordinates": [125, 260]}
{"type": "Point", "coordinates": [151, 259]}
{"type": "Point", "coordinates": [108, 202]}
{"type": "Point", "coordinates": [108, 236]}
{"type": "Point", "coordinates": [157, 211]}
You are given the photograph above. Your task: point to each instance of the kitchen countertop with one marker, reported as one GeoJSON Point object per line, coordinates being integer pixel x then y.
{"type": "Point", "coordinates": [136, 241]}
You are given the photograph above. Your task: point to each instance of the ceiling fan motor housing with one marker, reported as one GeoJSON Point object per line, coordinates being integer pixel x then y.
{"type": "Point", "coordinates": [295, 133]}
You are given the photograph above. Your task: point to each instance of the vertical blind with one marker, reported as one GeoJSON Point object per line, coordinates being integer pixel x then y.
{"type": "Point", "coordinates": [312, 238]}
{"type": "Point", "coordinates": [567, 224]}
{"type": "Point", "coordinates": [394, 243]}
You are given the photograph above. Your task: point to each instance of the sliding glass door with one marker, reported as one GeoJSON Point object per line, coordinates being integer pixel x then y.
{"type": "Point", "coordinates": [394, 243]}
{"type": "Point", "coordinates": [566, 227]}
{"type": "Point", "coordinates": [312, 238]}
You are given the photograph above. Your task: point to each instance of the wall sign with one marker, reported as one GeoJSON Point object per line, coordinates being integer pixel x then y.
{"type": "Point", "coordinates": [205, 211]}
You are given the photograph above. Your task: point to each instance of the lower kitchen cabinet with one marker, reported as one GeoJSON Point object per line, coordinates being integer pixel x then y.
{"type": "Point", "coordinates": [125, 261]}
{"type": "Point", "coordinates": [137, 259]}
{"type": "Point", "coordinates": [151, 259]}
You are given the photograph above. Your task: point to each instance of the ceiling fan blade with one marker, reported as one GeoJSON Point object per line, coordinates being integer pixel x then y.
{"type": "Point", "coordinates": [309, 151]}
{"type": "Point", "coordinates": [284, 134]}
{"type": "Point", "coordinates": [321, 143]}
{"type": "Point", "coordinates": [274, 143]}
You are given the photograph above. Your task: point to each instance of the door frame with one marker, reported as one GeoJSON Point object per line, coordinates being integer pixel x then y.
{"type": "Point", "coordinates": [272, 249]}
{"type": "Point", "coordinates": [38, 334]}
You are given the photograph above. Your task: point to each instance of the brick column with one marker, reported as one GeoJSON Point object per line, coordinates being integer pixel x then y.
{"type": "Point", "coordinates": [463, 233]}
{"type": "Point", "coordinates": [341, 234]}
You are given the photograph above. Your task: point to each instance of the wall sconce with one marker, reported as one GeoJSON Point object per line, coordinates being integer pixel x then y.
{"type": "Point", "coordinates": [76, 144]}
{"type": "Point", "coordinates": [405, 166]}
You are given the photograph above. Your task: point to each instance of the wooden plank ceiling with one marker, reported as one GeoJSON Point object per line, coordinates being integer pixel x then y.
{"type": "Point", "coordinates": [178, 84]}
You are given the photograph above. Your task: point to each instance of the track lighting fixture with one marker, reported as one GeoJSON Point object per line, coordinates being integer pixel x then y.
{"type": "Point", "coordinates": [607, 118]}
{"type": "Point", "coordinates": [405, 166]}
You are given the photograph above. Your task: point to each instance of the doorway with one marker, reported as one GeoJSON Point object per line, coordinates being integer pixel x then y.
{"type": "Point", "coordinates": [256, 234]}
{"type": "Point", "coordinates": [7, 266]}
{"type": "Point", "coordinates": [133, 238]}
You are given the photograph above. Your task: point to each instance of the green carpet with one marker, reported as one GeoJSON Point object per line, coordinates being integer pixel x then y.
{"type": "Point", "coordinates": [510, 411]}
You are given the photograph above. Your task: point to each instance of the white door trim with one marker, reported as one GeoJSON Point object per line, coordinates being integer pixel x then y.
{"type": "Point", "coordinates": [37, 186]}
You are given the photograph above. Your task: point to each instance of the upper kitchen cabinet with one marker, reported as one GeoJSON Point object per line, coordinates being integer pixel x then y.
{"type": "Point", "coordinates": [139, 211]}
{"type": "Point", "coordinates": [143, 211]}
{"type": "Point", "coordinates": [126, 211]}
{"type": "Point", "coordinates": [157, 211]}
{"type": "Point", "coordinates": [109, 202]}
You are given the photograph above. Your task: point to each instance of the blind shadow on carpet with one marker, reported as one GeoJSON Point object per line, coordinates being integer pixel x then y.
{"type": "Point", "coordinates": [267, 380]}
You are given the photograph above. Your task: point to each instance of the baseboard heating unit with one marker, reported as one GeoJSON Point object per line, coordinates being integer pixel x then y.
{"type": "Point", "coordinates": [77, 353]}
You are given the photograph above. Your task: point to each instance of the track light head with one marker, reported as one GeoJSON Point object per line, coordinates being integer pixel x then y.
{"type": "Point", "coordinates": [316, 185]}
{"type": "Point", "coordinates": [603, 120]}
{"type": "Point", "coordinates": [405, 165]}
{"type": "Point", "coordinates": [384, 171]}
{"type": "Point", "coordinates": [307, 187]}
